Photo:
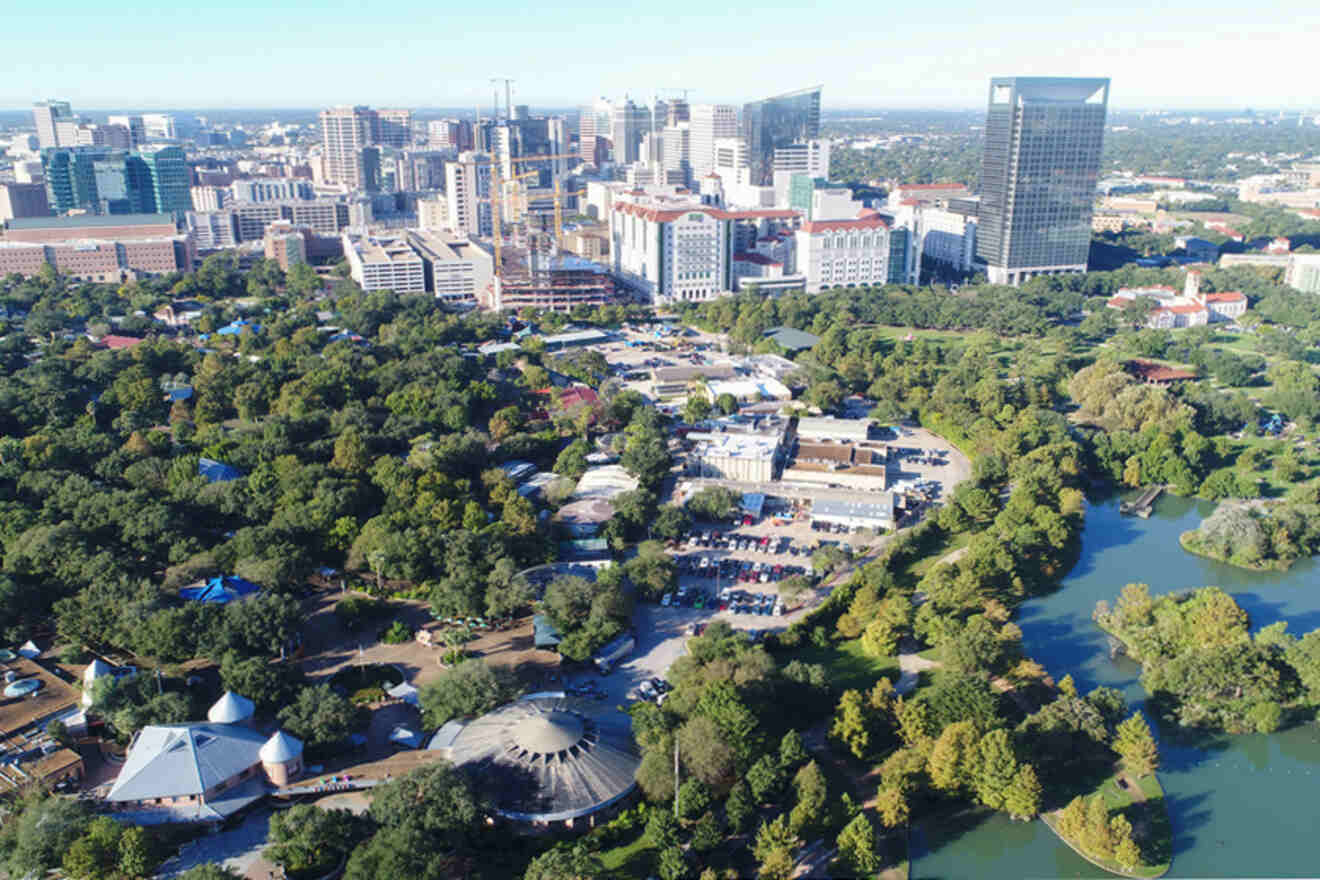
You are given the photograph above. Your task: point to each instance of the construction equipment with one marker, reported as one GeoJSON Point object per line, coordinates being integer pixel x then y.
{"type": "Point", "coordinates": [508, 96]}
{"type": "Point", "coordinates": [559, 213]}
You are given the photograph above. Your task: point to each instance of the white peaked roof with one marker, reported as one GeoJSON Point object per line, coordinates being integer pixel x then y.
{"type": "Point", "coordinates": [95, 670]}
{"type": "Point", "coordinates": [230, 709]}
{"type": "Point", "coordinates": [30, 650]}
{"type": "Point", "coordinates": [184, 759]}
{"type": "Point", "coordinates": [280, 748]}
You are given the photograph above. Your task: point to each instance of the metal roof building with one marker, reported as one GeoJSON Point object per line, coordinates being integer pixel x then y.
{"type": "Point", "coordinates": [855, 514]}
{"type": "Point", "coordinates": [546, 758]}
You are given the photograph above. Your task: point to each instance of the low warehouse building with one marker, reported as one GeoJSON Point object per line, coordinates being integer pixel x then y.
{"type": "Point", "coordinates": [877, 514]}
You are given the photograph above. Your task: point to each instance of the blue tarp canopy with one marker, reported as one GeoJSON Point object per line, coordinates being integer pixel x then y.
{"type": "Point", "coordinates": [216, 472]}
{"type": "Point", "coordinates": [227, 588]}
{"type": "Point", "coordinates": [234, 328]}
{"type": "Point", "coordinates": [544, 634]}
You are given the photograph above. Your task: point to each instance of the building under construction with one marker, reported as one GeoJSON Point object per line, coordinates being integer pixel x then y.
{"type": "Point", "coordinates": [533, 279]}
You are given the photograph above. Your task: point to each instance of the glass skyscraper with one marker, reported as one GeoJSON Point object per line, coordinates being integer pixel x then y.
{"type": "Point", "coordinates": [1038, 175]}
{"type": "Point", "coordinates": [774, 123]}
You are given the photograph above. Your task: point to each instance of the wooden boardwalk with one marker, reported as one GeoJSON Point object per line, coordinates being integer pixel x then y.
{"type": "Point", "coordinates": [1143, 504]}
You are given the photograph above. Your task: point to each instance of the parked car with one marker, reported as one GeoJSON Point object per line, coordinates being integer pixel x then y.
{"type": "Point", "coordinates": [667, 599]}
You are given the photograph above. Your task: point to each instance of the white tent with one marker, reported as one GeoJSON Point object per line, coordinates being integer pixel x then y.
{"type": "Point", "coordinates": [406, 736]}
{"type": "Point", "coordinates": [30, 650]}
{"type": "Point", "coordinates": [404, 691]}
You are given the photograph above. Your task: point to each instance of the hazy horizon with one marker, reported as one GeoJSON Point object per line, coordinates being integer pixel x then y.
{"type": "Point", "coordinates": [148, 54]}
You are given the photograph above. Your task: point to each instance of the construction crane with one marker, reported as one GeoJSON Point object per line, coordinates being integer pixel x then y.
{"type": "Point", "coordinates": [508, 96]}
{"type": "Point", "coordinates": [559, 213]}
{"type": "Point", "coordinates": [496, 190]}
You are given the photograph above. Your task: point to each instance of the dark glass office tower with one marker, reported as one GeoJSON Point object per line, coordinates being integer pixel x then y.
{"type": "Point", "coordinates": [1042, 157]}
{"type": "Point", "coordinates": [777, 122]}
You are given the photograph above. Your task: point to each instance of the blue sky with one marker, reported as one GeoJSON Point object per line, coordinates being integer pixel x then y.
{"type": "Point", "coordinates": [425, 53]}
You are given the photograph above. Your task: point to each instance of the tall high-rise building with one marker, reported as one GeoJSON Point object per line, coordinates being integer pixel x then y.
{"type": "Point", "coordinates": [23, 200]}
{"type": "Point", "coordinates": [1042, 157]}
{"type": "Point", "coordinates": [45, 114]}
{"type": "Point", "coordinates": [467, 192]}
{"type": "Point", "coordinates": [594, 132]}
{"type": "Point", "coordinates": [676, 152]}
{"type": "Point", "coordinates": [345, 135]}
{"type": "Point", "coordinates": [709, 123]}
{"type": "Point", "coordinates": [392, 128]}
{"type": "Point", "coordinates": [628, 122]}
{"type": "Point", "coordinates": [449, 134]}
{"type": "Point", "coordinates": [123, 185]}
{"type": "Point", "coordinates": [137, 129]}
{"type": "Point", "coordinates": [775, 123]}
{"type": "Point", "coordinates": [160, 126]}
{"type": "Point", "coordinates": [171, 181]}
{"type": "Point", "coordinates": [70, 174]}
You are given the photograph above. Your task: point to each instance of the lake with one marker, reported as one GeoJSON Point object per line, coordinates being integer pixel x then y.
{"type": "Point", "coordinates": [1241, 806]}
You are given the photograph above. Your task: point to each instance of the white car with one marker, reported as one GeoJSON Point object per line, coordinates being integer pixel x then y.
{"type": "Point", "coordinates": [667, 599]}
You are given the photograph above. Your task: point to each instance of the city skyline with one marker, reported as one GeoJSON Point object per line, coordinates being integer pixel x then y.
{"type": "Point", "coordinates": [932, 58]}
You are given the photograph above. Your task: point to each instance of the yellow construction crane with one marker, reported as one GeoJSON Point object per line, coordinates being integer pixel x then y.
{"type": "Point", "coordinates": [497, 231]}
{"type": "Point", "coordinates": [559, 212]}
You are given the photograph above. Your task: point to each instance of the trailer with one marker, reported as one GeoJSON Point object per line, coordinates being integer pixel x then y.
{"type": "Point", "coordinates": [614, 652]}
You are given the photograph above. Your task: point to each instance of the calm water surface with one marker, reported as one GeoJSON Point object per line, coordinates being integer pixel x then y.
{"type": "Point", "coordinates": [1242, 806]}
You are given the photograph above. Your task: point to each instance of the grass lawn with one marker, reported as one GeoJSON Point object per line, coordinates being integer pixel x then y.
{"type": "Point", "coordinates": [917, 570]}
{"type": "Point", "coordinates": [631, 860]}
{"type": "Point", "coordinates": [847, 665]}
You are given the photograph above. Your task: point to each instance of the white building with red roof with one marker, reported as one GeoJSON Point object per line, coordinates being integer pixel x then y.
{"type": "Point", "coordinates": [864, 251]}
{"type": "Point", "coordinates": [1191, 308]}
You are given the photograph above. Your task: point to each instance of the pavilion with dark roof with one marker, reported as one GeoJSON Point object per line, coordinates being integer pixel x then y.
{"type": "Point", "coordinates": [546, 758]}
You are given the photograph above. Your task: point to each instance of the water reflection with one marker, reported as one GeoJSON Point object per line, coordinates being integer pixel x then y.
{"type": "Point", "coordinates": [1241, 806]}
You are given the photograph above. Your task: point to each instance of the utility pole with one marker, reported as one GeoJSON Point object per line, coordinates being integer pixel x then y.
{"type": "Point", "coordinates": [675, 777]}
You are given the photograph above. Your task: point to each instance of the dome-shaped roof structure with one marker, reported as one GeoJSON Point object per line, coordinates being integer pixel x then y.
{"type": "Point", "coordinates": [230, 709]}
{"type": "Point", "coordinates": [547, 757]}
{"type": "Point", "coordinates": [280, 748]}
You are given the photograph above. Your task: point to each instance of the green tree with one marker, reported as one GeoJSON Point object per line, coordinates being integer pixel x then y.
{"type": "Point", "coordinates": [306, 839]}
{"type": "Point", "coordinates": [1136, 746]}
{"type": "Point", "coordinates": [1097, 836]}
{"type": "Point", "coordinates": [850, 726]}
{"type": "Point", "coordinates": [812, 794]}
{"type": "Point", "coordinates": [792, 752]}
{"type": "Point", "coordinates": [507, 591]}
{"type": "Point", "coordinates": [693, 799]}
{"type": "Point", "coordinates": [320, 717]}
{"type": "Point", "coordinates": [351, 453]}
{"type": "Point", "coordinates": [739, 807]}
{"type": "Point", "coordinates": [707, 833]}
{"type": "Point", "coordinates": [856, 848]}
{"type": "Point", "coordinates": [953, 756]}
{"type": "Point", "coordinates": [774, 846]}
{"type": "Point", "coordinates": [765, 779]}
{"type": "Point", "coordinates": [891, 805]}
{"type": "Point", "coordinates": [94, 855]}
{"type": "Point", "coordinates": [1022, 797]}
{"type": "Point", "coordinates": [996, 768]}
{"type": "Point", "coordinates": [470, 688]}
{"type": "Point", "coordinates": [135, 853]}
{"type": "Point", "coordinates": [566, 863]}
{"type": "Point", "coordinates": [673, 864]}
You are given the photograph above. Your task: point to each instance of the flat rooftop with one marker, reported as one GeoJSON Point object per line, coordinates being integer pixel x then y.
{"type": "Point", "coordinates": [384, 250]}
{"type": "Point", "coordinates": [54, 696]}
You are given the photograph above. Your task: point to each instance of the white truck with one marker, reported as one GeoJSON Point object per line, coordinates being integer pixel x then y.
{"type": "Point", "coordinates": [613, 652]}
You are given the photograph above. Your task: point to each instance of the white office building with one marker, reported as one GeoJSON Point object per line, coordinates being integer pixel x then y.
{"type": "Point", "coordinates": [851, 253]}
{"type": "Point", "coordinates": [384, 263]}
{"type": "Point", "coordinates": [467, 191]}
{"type": "Point", "coordinates": [709, 123]}
{"type": "Point", "coordinates": [672, 254]}
{"type": "Point", "coordinates": [457, 271]}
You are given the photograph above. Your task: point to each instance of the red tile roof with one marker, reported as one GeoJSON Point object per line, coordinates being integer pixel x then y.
{"type": "Point", "coordinates": [814, 226]}
{"type": "Point", "coordinates": [1226, 296]}
{"type": "Point", "coordinates": [1156, 372]}
{"type": "Point", "coordinates": [668, 215]}
{"type": "Point", "coordinates": [1186, 310]}
{"type": "Point", "coordinates": [110, 340]}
